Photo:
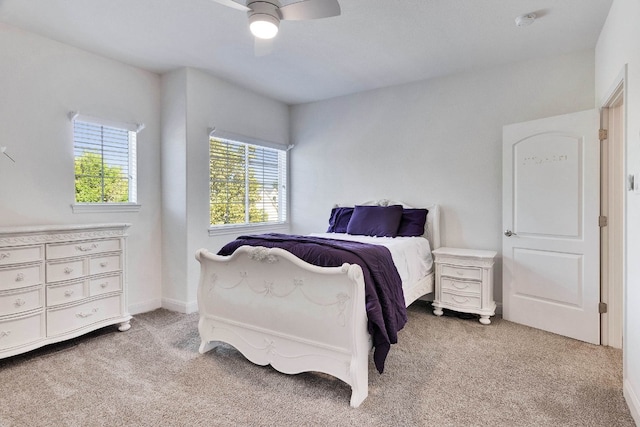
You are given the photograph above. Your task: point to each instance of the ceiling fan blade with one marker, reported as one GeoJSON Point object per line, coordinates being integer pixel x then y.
{"type": "Point", "coordinates": [233, 4]}
{"type": "Point", "coordinates": [310, 9]}
{"type": "Point", "coordinates": [262, 47]}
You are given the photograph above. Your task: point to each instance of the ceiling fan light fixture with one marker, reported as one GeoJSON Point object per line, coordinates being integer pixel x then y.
{"type": "Point", "coordinates": [263, 26]}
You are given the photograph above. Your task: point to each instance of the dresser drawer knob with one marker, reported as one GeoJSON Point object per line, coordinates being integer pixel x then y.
{"type": "Point", "coordinates": [104, 285]}
{"type": "Point", "coordinates": [4, 334]}
{"type": "Point", "coordinates": [86, 248]}
{"type": "Point", "coordinates": [104, 264]}
{"type": "Point", "coordinates": [68, 270]}
{"type": "Point", "coordinates": [68, 293]}
{"type": "Point", "coordinates": [84, 315]}
{"type": "Point", "coordinates": [19, 277]}
{"type": "Point", "coordinates": [20, 302]}
{"type": "Point", "coordinates": [5, 255]}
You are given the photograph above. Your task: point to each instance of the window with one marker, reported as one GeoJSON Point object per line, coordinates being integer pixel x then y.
{"type": "Point", "coordinates": [247, 183]}
{"type": "Point", "coordinates": [105, 163]}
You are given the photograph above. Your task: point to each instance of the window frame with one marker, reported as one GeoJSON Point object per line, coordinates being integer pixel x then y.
{"type": "Point", "coordinates": [104, 207]}
{"type": "Point", "coordinates": [283, 224]}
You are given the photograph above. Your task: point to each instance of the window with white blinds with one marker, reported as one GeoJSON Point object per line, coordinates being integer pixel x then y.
{"type": "Point", "coordinates": [105, 163]}
{"type": "Point", "coordinates": [248, 183]}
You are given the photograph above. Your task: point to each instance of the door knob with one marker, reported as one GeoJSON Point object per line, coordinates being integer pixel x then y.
{"type": "Point", "coordinates": [509, 233]}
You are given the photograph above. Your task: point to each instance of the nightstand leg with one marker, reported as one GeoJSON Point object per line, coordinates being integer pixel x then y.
{"type": "Point", "coordinates": [438, 311]}
{"type": "Point", "coordinates": [485, 320]}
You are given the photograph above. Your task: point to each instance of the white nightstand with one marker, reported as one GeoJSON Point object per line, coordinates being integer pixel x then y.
{"type": "Point", "coordinates": [464, 282]}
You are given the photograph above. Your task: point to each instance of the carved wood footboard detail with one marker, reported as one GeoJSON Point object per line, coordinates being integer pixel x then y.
{"type": "Point", "coordinates": [281, 311]}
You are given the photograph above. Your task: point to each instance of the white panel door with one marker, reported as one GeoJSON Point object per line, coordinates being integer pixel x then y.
{"type": "Point", "coordinates": [551, 204]}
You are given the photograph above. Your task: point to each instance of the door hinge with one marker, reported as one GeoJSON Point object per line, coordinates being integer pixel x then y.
{"type": "Point", "coordinates": [603, 221]}
{"type": "Point", "coordinates": [602, 307]}
{"type": "Point", "coordinates": [603, 134]}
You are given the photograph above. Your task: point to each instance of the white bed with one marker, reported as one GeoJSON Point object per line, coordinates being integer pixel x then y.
{"type": "Point", "coordinates": [277, 309]}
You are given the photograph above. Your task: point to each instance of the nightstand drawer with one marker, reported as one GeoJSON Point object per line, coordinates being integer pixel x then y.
{"type": "Point", "coordinates": [466, 286]}
{"type": "Point", "coordinates": [469, 273]}
{"type": "Point", "coordinates": [461, 301]}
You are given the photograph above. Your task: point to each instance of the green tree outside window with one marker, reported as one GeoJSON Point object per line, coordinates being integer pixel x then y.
{"type": "Point", "coordinates": [96, 182]}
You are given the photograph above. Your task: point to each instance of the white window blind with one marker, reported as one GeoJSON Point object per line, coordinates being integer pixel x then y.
{"type": "Point", "coordinates": [247, 183]}
{"type": "Point", "coordinates": [105, 163]}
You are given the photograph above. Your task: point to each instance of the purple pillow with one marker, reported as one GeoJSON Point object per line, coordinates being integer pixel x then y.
{"type": "Point", "coordinates": [339, 220]}
{"type": "Point", "coordinates": [381, 221]}
{"type": "Point", "coordinates": [412, 222]}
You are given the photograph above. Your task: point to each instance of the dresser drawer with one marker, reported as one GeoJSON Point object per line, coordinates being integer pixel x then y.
{"type": "Point", "coordinates": [69, 318]}
{"type": "Point", "coordinates": [66, 270]}
{"type": "Point", "coordinates": [76, 249]}
{"type": "Point", "coordinates": [21, 276]}
{"type": "Point", "coordinates": [469, 273]}
{"type": "Point", "coordinates": [461, 301]}
{"type": "Point", "coordinates": [67, 292]}
{"type": "Point", "coordinates": [105, 264]}
{"type": "Point", "coordinates": [466, 286]}
{"type": "Point", "coordinates": [21, 254]}
{"type": "Point", "coordinates": [105, 284]}
{"type": "Point", "coordinates": [14, 302]}
{"type": "Point", "coordinates": [22, 330]}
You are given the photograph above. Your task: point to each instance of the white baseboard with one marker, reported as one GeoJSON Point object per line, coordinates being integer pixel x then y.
{"type": "Point", "coordinates": [180, 306]}
{"type": "Point", "coordinates": [144, 307]}
{"type": "Point", "coordinates": [632, 401]}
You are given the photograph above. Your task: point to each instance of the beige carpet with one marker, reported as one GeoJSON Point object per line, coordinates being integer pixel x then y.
{"type": "Point", "coordinates": [444, 372]}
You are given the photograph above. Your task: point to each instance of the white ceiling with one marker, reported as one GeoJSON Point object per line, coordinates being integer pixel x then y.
{"type": "Point", "coordinates": [372, 44]}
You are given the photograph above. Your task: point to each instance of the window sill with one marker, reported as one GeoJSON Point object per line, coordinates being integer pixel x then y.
{"type": "Point", "coordinates": [105, 207]}
{"type": "Point", "coordinates": [248, 229]}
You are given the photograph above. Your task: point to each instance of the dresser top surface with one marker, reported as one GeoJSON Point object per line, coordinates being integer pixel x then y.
{"type": "Point", "coordinates": [35, 229]}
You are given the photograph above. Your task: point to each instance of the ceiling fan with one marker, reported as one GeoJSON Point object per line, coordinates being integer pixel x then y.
{"type": "Point", "coordinates": [265, 15]}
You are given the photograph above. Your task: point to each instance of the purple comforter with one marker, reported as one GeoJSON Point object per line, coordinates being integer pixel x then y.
{"type": "Point", "coordinates": [386, 311]}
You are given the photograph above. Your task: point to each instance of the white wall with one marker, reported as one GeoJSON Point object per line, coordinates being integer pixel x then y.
{"type": "Point", "coordinates": [40, 82]}
{"type": "Point", "coordinates": [619, 44]}
{"type": "Point", "coordinates": [204, 102]}
{"type": "Point", "coordinates": [174, 189]}
{"type": "Point", "coordinates": [438, 140]}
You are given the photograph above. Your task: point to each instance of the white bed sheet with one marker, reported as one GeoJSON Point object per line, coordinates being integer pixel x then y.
{"type": "Point", "coordinates": [411, 255]}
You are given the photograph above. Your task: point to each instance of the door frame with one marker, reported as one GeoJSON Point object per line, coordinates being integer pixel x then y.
{"type": "Point", "coordinates": [613, 116]}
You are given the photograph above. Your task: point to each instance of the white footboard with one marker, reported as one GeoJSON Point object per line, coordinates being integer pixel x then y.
{"type": "Point", "coordinates": [279, 310]}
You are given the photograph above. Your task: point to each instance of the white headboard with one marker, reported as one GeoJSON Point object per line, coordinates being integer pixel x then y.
{"type": "Point", "coordinates": [432, 228]}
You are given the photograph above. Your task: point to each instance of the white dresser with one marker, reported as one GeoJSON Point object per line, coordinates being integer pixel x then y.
{"type": "Point", "coordinates": [59, 282]}
{"type": "Point", "coordinates": [464, 282]}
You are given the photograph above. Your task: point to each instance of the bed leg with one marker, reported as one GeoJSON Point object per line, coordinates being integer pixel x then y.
{"type": "Point", "coordinates": [357, 397]}
{"type": "Point", "coordinates": [359, 381]}
{"type": "Point", "coordinates": [207, 345]}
